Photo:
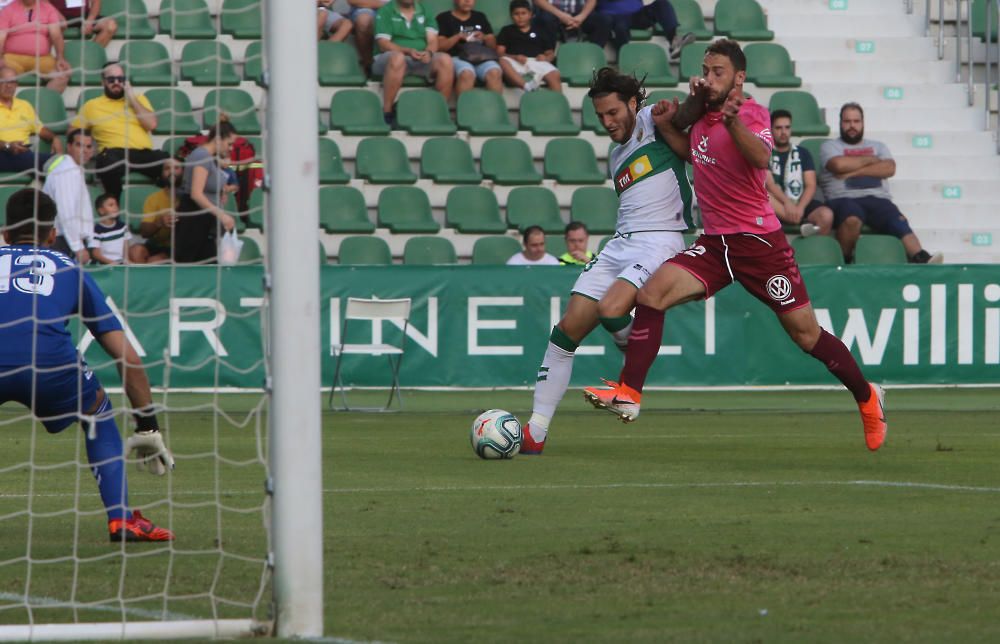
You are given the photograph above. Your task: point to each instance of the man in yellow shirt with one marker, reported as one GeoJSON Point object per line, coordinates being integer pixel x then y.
{"type": "Point", "coordinates": [121, 121]}
{"type": "Point", "coordinates": [158, 221]}
{"type": "Point", "coordinates": [17, 123]}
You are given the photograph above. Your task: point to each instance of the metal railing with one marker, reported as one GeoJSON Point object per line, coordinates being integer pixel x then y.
{"type": "Point", "coordinates": [992, 11]}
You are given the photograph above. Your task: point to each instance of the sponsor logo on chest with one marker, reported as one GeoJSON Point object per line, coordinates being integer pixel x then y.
{"type": "Point", "coordinates": [633, 172]}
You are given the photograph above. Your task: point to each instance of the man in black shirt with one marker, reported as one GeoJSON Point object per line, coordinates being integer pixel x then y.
{"type": "Point", "coordinates": [467, 35]}
{"type": "Point", "coordinates": [527, 51]}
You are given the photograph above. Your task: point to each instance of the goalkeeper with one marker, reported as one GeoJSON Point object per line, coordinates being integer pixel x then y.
{"type": "Point", "coordinates": [40, 291]}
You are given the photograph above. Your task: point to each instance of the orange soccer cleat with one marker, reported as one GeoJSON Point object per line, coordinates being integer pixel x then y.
{"type": "Point", "coordinates": [619, 399]}
{"type": "Point", "coordinates": [873, 417]}
{"type": "Point", "coordinates": [138, 528]}
{"type": "Point", "coordinates": [528, 443]}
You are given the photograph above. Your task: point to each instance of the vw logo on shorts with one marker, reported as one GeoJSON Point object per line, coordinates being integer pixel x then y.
{"type": "Point", "coordinates": [779, 288]}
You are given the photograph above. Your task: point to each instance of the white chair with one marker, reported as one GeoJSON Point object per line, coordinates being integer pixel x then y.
{"type": "Point", "coordinates": [373, 310]}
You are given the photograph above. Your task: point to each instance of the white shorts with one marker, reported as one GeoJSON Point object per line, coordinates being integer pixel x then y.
{"type": "Point", "coordinates": [539, 68]}
{"type": "Point", "coordinates": [632, 257]}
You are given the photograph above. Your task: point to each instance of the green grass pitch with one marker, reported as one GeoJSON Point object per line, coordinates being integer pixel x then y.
{"type": "Point", "coordinates": [716, 517]}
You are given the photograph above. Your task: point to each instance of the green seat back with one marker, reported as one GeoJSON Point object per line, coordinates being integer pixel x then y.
{"type": "Point", "coordinates": [424, 112]}
{"type": "Point", "coordinates": [49, 107]}
{"type": "Point", "coordinates": [813, 146]}
{"type": "Point", "coordinates": [132, 202]}
{"type": "Point", "coordinates": [174, 114]}
{"type": "Point", "coordinates": [691, 19]}
{"type": "Point", "coordinates": [589, 117]}
{"type": "Point", "coordinates": [978, 19]}
{"type": "Point", "coordinates": [596, 207]}
{"type": "Point", "coordinates": [250, 253]}
{"type": "Point", "coordinates": [383, 160]}
{"type": "Point", "coordinates": [87, 59]}
{"type": "Point", "coordinates": [405, 209]}
{"type": "Point", "coordinates": [572, 160]}
{"type": "Point", "coordinates": [741, 20]}
{"type": "Point", "coordinates": [547, 114]}
{"type": "Point", "coordinates": [364, 250]}
{"type": "Point", "coordinates": [237, 104]}
{"type": "Point", "coordinates": [448, 159]}
{"type": "Point", "coordinates": [494, 250]}
{"type": "Point", "coordinates": [357, 112]}
{"type": "Point", "coordinates": [186, 19]}
{"type": "Point", "coordinates": [497, 12]}
{"type": "Point", "coordinates": [331, 163]}
{"type": "Point", "coordinates": [473, 209]}
{"type": "Point", "coordinates": [818, 249]}
{"type": "Point", "coordinates": [649, 60]}
{"type": "Point", "coordinates": [807, 120]}
{"type": "Point", "coordinates": [534, 206]}
{"type": "Point", "coordinates": [342, 209]}
{"type": "Point", "coordinates": [482, 112]}
{"type": "Point", "coordinates": [578, 61]}
{"type": "Point", "coordinates": [692, 58]}
{"type": "Point", "coordinates": [253, 62]}
{"type": "Point", "coordinates": [241, 19]}
{"type": "Point", "coordinates": [879, 249]}
{"type": "Point", "coordinates": [208, 63]}
{"type": "Point", "coordinates": [132, 17]}
{"type": "Point", "coordinates": [148, 62]}
{"type": "Point", "coordinates": [769, 65]}
{"type": "Point", "coordinates": [338, 65]}
{"type": "Point", "coordinates": [426, 251]}
{"type": "Point", "coordinates": [508, 162]}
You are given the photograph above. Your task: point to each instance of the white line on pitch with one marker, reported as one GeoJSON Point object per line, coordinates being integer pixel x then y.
{"type": "Point", "coordinates": [51, 602]}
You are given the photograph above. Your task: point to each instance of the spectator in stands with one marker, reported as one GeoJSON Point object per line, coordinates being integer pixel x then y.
{"type": "Point", "coordinates": [121, 121]}
{"type": "Point", "coordinates": [406, 36]}
{"type": "Point", "coordinates": [200, 214]}
{"type": "Point", "coordinates": [109, 244]}
{"type": "Point", "coordinates": [466, 34]}
{"type": "Point", "coordinates": [331, 24]}
{"type": "Point", "coordinates": [29, 32]}
{"type": "Point", "coordinates": [66, 184]}
{"type": "Point", "coordinates": [577, 238]}
{"type": "Point", "coordinates": [527, 51]}
{"type": "Point", "coordinates": [792, 184]}
{"type": "Point", "coordinates": [17, 123]}
{"type": "Point", "coordinates": [854, 170]}
{"type": "Point", "coordinates": [363, 16]}
{"type": "Point", "coordinates": [534, 248]}
{"type": "Point", "coordinates": [566, 18]}
{"type": "Point", "coordinates": [625, 15]}
{"type": "Point", "coordinates": [157, 226]}
{"type": "Point", "coordinates": [85, 15]}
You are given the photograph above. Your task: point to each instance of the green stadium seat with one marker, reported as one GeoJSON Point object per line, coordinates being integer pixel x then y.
{"type": "Point", "coordinates": [424, 112]}
{"type": "Point", "coordinates": [497, 12]}
{"type": "Point", "coordinates": [818, 250]}
{"type": "Point", "coordinates": [87, 59]}
{"type": "Point", "coordinates": [133, 199]}
{"type": "Point", "coordinates": [237, 104]}
{"type": "Point", "coordinates": [483, 113]}
{"type": "Point", "coordinates": [534, 206]}
{"type": "Point", "coordinates": [437, 7]}
{"type": "Point", "coordinates": [879, 249]}
{"type": "Point", "coordinates": [208, 64]}
{"type": "Point", "coordinates": [448, 159]}
{"type": "Point", "coordinates": [604, 242]}
{"type": "Point", "coordinates": [666, 95]}
{"type": "Point", "coordinates": [813, 146]}
{"type": "Point", "coordinates": [473, 209]}
{"type": "Point", "coordinates": [406, 209]}
{"type": "Point", "coordinates": [572, 160]}
{"type": "Point", "coordinates": [494, 250]}
{"type": "Point", "coordinates": [342, 209]}
{"type": "Point", "coordinates": [649, 60]}
{"type": "Point", "coordinates": [338, 65]}
{"type": "Point", "coordinates": [241, 19]}
{"type": "Point", "coordinates": [977, 16]}
{"type": "Point", "coordinates": [357, 112]}
{"type": "Point", "coordinates": [364, 250]}
{"type": "Point", "coordinates": [555, 244]}
{"type": "Point", "coordinates": [577, 62]}
{"type": "Point", "coordinates": [253, 62]}
{"type": "Point", "coordinates": [132, 17]}
{"type": "Point", "coordinates": [690, 19]}
{"type": "Point", "coordinates": [250, 253]}
{"type": "Point", "coordinates": [428, 251]}
{"type": "Point", "coordinates": [174, 114]}
{"type": "Point", "coordinates": [49, 107]}
{"type": "Point", "coordinates": [172, 144]}
{"type": "Point", "coordinates": [741, 20]}
{"type": "Point", "coordinates": [807, 120]}
{"type": "Point", "coordinates": [692, 57]}
{"type": "Point", "coordinates": [640, 34]}
{"type": "Point", "coordinates": [331, 163]}
{"type": "Point", "coordinates": [321, 125]}
{"type": "Point", "coordinates": [86, 94]}
{"type": "Point", "coordinates": [508, 162]}
{"type": "Point", "coordinates": [383, 160]}
{"type": "Point", "coordinates": [589, 117]}
{"type": "Point", "coordinates": [255, 216]}
{"type": "Point", "coordinates": [186, 20]}
{"type": "Point", "coordinates": [769, 65]}
{"type": "Point", "coordinates": [148, 62]}
{"type": "Point", "coordinates": [547, 114]}
{"type": "Point", "coordinates": [596, 207]}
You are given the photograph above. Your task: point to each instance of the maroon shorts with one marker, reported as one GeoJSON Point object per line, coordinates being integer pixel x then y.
{"type": "Point", "coordinates": [764, 264]}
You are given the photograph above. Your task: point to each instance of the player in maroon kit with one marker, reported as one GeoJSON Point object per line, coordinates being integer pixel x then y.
{"type": "Point", "coordinates": [743, 242]}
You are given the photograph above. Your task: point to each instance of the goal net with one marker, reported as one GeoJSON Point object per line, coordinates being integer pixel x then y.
{"type": "Point", "coordinates": [242, 494]}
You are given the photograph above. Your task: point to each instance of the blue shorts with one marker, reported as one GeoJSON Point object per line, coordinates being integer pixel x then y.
{"type": "Point", "coordinates": [881, 215]}
{"type": "Point", "coordinates": [57, 397]}
{"type": "Point", "coordinates": [361, 11]}
{"type": "Point", "coordinates": [479, 70]}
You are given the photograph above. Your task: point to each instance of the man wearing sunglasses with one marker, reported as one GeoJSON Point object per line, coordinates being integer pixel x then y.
{"type": "Point", "coordinates": [121, 122]}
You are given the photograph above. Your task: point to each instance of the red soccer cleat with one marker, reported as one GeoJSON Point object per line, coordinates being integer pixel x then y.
{"type": "Point", "coordinates": [619, 399]}
{"type": "Point", "coordinates": [529, 445]}
{"type": "Point", "coordinates": [138, 528]}
{"type": "Point", "coordinates": [873, 417]}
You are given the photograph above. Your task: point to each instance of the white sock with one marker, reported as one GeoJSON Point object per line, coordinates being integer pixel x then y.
{"type": "Point", "coordinates": [553, 380]}
{"type": "Point", "coordinates": [621, 336]}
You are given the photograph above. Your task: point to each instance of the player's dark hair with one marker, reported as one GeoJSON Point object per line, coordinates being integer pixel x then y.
{"type": "Point", "coordinates": [75, 132]}
{"type": "Point", "coordinates": [731, 50]}
{"type": "Point", "coordinates": [852, 106]}
{"type": "Point", "coordinates": [30, 215]}
{"type": "Point", "coordinates": [780, 114]}
{"type": "Point", "coordinates": [102, 198]}
{"type": "Point", "coordinates": [608, 81]}
{"type": "Point", "coordinates": [529, 231]}
{"type": "Point", "coordinates": [518, 4]}
{"type": "Point", "coordinates": [223, 130]}
{"type": "Point", "coordinates": [575, 225]}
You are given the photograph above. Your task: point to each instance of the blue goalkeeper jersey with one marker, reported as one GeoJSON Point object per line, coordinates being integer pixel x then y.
{"type": "Point", "coordinates": [41, 290]}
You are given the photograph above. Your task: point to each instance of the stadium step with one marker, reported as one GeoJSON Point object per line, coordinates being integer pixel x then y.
{"type": "Point", "coordinates": [825, 8]}
{"type": "Point", "coordinates": [885, 119]}
{"type": "Point", "coordinates": [892, 21]}
{"type": "Point", "coordinates": [895, 95]}
{"type": "Point", "coordinates": [957, 168]}
{"type": "Point", "coordinates": [885, 48]}
{"type": "Point", "coordinates": [956, 194]}
{"type": "Point", "coordinates": [838, 71]}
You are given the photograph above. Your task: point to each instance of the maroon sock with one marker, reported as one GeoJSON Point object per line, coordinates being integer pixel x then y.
{"type": "Point", "coordinates": [834, 354]}
{"type": "Point", "coordinates": [643, 345]}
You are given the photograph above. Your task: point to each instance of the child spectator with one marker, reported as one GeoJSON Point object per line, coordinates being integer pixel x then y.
{"type": "Point", "coordinates": [111, 235]}
{"type": "Point", "coordinates": [526, 52]}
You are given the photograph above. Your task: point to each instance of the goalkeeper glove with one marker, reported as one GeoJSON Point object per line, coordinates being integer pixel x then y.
{"type": "Point", "coordinates": [148, 447]}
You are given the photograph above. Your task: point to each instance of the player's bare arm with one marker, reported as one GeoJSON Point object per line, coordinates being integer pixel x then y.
{"type": "Point", "coordinates": [693, 106]}
{"type": "Point", "coordinates": [130, 368]}
{"type": "Point", "coordinates": [663, 113]}
{"type": "Point", "coordinates": [752, 148]}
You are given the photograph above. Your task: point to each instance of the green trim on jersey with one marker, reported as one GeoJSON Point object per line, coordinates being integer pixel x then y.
{"type": "Point", "coordinates": [661, 159]}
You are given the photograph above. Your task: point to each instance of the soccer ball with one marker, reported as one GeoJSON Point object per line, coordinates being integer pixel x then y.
{"type": "Point", "coordinates": [496, 434]}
